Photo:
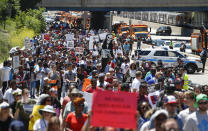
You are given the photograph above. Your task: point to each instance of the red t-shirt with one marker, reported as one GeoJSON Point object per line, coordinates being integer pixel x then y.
{"type": "Point", "coordinates": [75, 124]}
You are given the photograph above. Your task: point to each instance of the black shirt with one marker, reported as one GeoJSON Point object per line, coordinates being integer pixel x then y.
{"type": "Point", "coordinates": [4, 125]}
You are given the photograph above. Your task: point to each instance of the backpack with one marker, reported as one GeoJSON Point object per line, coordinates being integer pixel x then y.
{"type": "Point", "coordinates": [204, 54]}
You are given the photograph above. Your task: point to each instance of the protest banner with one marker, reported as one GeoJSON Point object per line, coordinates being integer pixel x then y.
{"type": "Point", "coordinates": [79, 50]}
{"type": "Point", "coordinates": [15, 61]}
{"type": "Point", "coordinates": [70, 44]}
{"type": "Point", "coordinates": [88, 98]}
{"type": "Point", "coordinates": [114, 109]}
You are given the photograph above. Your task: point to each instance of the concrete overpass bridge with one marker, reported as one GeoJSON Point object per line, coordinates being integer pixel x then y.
{"type": "Point", "coordinates": [126, 5]}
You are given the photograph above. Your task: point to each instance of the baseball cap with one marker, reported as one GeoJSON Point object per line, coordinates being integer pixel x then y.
{"type": "Point", "coordinates": [17, 126]}
{"type": "Point", "coordinates": [170, 100]}
{"type": "Point", "coordinates": [4, 105]}
{"type": "Point", "coordinates": [17, 92]}
{"type": "Point", "coordinates": [53, 90]}
{"type": "Point", "coordinates": [200, 97]}
{"type": "Point", "coordinates": [101, 75]}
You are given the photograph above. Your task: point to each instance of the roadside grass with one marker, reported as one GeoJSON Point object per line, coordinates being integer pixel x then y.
{"type": "Point", "coordinates": [11, 37]}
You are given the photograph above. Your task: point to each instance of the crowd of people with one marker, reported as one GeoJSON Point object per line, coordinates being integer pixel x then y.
{"type": "Point", "coordinates": [45, 92]}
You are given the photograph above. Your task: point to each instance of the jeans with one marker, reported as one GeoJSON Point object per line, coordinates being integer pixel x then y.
{"type": "Point", "coordinates": [64, 91]}
{"type": "Point", "coordinates": [32, 89]}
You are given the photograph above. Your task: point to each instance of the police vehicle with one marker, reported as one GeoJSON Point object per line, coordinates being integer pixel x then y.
{"type": "Point", "coordinates": [169, 58]}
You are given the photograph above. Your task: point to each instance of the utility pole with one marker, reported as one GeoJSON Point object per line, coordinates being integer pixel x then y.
{"type": "Point", "coordinates": [83, 5]}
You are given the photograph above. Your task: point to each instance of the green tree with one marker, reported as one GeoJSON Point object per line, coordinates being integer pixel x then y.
{"type": "Point", "coordinates": [28, 4]}
{"type": "Point", "coordinates": [4, 12]}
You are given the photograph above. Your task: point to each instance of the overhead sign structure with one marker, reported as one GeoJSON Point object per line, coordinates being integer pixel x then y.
{"type": "Point", "coordinates": [114, 109]}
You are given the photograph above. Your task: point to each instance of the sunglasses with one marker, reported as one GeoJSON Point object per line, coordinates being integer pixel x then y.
{"type": "Point", "coordinates": [49, 100]}
{"type": "Point", "coordinates": [80, 105]}
{"type": "Point", "coordinates": [203, 102]}
{"type": "Point", "coordinates": [75, 95]}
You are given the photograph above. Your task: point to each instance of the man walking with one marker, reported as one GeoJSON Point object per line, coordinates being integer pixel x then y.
{"type": "Point", "coordinates": [198, 120]}
{"type": "Point", "coordinates": [203, 56]}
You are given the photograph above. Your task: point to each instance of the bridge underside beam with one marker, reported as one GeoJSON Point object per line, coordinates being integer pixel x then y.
{"type": "Point", "coordinates": [129, 9]}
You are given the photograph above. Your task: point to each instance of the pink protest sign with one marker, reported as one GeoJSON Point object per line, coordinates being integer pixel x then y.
{"type": "Point", "coordinates": [114, 109]}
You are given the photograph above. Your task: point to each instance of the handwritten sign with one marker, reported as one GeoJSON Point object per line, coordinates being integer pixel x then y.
{"type": "Point", "coordinates": [103, 36]}
{"type": "Point", "coordinates": [69, 37]}
{"type": "Point", "coordinates": [79, 50]}
{"type": "Point", "coordinates": [114, 109]}
{"type": "Point", "coordinates": [70, 44]}
{"type": "Point", "coordinates": [27, 43]}
{"type": "Point", "coordinates": [16, 61]}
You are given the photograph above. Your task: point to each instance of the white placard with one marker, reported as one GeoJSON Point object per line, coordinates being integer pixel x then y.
{"type": "Point", "coordinates": [70, 44]}
{"type": "Point", "coordinates": [153, 98]}
{"type": "Point", "coordinates": [105, 53]}
{"type": "Point", "coordinates": [79, 50]}
{"type": "Point", "coordinates": [27, 43]}
{"type": "Point", "coordinates": [103, 36]}
{"type": "Point", "coordinates": [16, 61]}
{"type": "Point", "coordinates": [69, 37]}
{"type": "Point", "coordinates": [91, 42]}
{"type": "Point", "coordinates": [88, 99]}
{"type": "Point", "coordinates": [92, 39]}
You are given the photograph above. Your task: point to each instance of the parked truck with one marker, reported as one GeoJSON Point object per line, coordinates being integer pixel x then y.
{"type": "Point", "coordinates": [199, 41]}
{"type": "Point", "coordinates": [135, 31]}
{"type": "Point", "coordinates": [140, 31]}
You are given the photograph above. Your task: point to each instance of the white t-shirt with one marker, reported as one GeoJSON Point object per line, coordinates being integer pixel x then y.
{"type": "Point", "coordinates": [135, 85]}
{"type": "Point", "coordinates": [196, 122]}
{"type": "Point", "coordinates": [38, 75]}
{"type": "Point", "coordinates": [124, 67]}
{"type": "Point", "coordinates": [40, 125]}
{"type": "Point", "coordinates": [145, 126]}
{"type": "Point", "coordinates": [9, 96]}
{"type": "Point", "coordinates": [132, 73]}
{"type": "Point", "coordinates": [184, 114]}
{"type": "Point", "coordinates": [5, 71]}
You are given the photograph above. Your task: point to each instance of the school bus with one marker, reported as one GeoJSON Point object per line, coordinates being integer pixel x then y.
{"type": "Point", "coordinates": [123, 30]}
{"type": "Point", "coordinates": [140, 31]}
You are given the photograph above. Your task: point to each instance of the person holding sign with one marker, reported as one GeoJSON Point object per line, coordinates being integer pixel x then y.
{"type": "Point", "coordinates": [75, 120]}
{"type": "Point", "coordinates": [107, 50]}
{"type": "Point", "coordinates": [24, 108]}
